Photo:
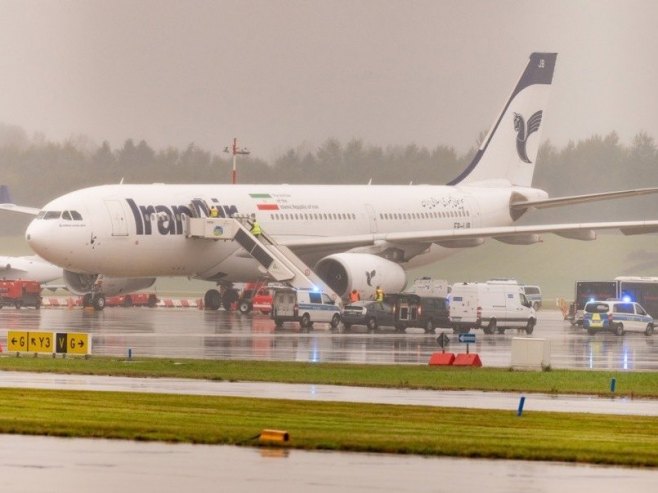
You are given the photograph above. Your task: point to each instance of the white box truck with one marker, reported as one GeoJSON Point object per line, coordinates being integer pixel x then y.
{"type": "Point", "coordinates": [490, 306]}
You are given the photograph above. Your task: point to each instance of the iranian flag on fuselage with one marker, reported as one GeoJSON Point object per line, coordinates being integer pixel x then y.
{"type": "Point", "coordinates": [265, 202]}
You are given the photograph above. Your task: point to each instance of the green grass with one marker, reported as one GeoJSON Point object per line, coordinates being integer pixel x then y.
{"type": "Point", "coordinates": [633, 384]}
{"type": "Point", "coordinates": [620, 440]}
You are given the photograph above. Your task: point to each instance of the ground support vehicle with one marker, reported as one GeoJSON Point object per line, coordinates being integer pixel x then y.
{"type": "Point", "coordinates": [304, 306]}
{"type": "Point", "coordinates": [19, 293]}
{"type": "Point", "coordinates": [491, 306]}
{"type": "Point", "coordinates": [133, 299]}
{"type": "Point", "coordinates": [258, 296]}
{"type": "Point", "coordinates": [616, 316]}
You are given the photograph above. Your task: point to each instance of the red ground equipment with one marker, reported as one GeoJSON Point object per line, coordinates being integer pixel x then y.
{"type": "Point", "coordinates": [132, 299]}
{"type": "Point", "coordinates": [20, 293]}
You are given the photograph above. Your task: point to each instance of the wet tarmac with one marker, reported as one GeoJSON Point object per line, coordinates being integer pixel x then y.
{"type": "Point", "coordinates": [179, 332]}
{"type": "Point", "coordinates": [40, 464]}
{"type": "Point", "coordinates": [324, 393]}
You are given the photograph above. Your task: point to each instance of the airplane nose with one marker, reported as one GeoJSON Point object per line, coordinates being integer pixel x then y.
{"type": "Point", "coordinates": [37, 238]}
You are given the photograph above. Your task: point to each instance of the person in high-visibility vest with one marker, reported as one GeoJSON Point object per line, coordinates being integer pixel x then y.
{"type": "Point", "coordinates": [214, 212]}
{"type": "Point", "coordinates": [379, 294]}
{"type": "Point", "coordinates": [255, 228]}
{"type": "Point", "coordinates": [354, 296]}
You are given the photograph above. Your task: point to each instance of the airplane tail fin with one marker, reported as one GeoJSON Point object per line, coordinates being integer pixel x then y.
{"type": "Point", "coordinates": [510, 149]}
{"type": "Point", "coordinates": [5, 198]}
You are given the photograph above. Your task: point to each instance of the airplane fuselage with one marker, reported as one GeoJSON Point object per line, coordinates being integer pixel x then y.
{"type": "Point", "coordinates": [139, 230]}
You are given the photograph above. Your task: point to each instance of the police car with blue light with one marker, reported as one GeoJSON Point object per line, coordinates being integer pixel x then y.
{"type": "Point", "coordinates": [617, 316]}
{"type": "Point", "coordinates": [304, 306]}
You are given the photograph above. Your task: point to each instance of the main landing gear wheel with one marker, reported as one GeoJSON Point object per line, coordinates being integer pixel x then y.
{"type": "Point", "coordinates": [230, 297]}
{"type": "Point", "coordinates": [212, 300]}
{"type": "Point", "coordinates": [98, 301]}
{"type": "Point", "coordinates": [244, 307]}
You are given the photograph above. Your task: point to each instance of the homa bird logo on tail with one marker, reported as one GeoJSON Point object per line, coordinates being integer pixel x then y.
{"type": "Point", "coordinates": [523, 132]}
{"type": "Point", "coordinates": [370, 275]}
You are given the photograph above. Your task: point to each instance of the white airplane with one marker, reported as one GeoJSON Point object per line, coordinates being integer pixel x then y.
{"type": "Point", "coordinates": [30, 267]}
{"type": "Point", "coordinates": [354, 236]}
{"type": "Point", "coordinates": [94, 291]}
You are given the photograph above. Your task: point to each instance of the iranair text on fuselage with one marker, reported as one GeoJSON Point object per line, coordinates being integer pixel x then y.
{"type": "Point", "coordinates": [169, 218]}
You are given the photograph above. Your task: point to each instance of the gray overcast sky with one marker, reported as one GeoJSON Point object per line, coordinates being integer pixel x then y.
{"type": "Point", "coordinates": [279, 73]}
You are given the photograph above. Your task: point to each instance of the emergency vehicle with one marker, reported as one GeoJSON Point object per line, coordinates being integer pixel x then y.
{"type": "Point", "coordinates": [305, 307]}
{"type": "Point", "coordinates": [20, 293]}
{"type": "Point", "coordinates": [643, 290]}
{"type": "Point", "coordinates": [492, 306]}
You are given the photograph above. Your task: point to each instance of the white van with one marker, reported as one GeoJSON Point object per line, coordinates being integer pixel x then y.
{"type": "Point", "coordinates": [490, 306]}
{"type": "Point", "coordinates": [304, 306]}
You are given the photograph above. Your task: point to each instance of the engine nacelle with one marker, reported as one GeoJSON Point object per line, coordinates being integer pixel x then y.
{"type": "Point", "coordinates": [344, 272]}
{"type": "Point", "coordinates": [82, 284]}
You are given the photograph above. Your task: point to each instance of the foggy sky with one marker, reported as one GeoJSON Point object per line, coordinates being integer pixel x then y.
{"type": "Point", "coordinates": [280, 73]}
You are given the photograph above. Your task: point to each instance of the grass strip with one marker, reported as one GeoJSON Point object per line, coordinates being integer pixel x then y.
{"type": "Point", "coordinates": [628, 384]}
{"type": "Point", "coordinates": [600, 439]}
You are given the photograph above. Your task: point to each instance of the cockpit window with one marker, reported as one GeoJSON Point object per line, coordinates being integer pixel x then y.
{"type": "Point", "coordinates": [52, 215]}
{"type": "Point", "coordinates": [41, 214]}
{"type": "Point", "coordinates": [71, 216]}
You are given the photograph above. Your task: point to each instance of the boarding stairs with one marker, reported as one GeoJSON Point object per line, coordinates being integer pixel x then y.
{"type": "Point", "coordinates": [278, 260]}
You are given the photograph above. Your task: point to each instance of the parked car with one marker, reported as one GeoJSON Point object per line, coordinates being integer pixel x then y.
{"type": "Point", "coordinates": [372, 314]}
{"type": "Point", "coordinates": [533, 294]}
{"type": "Point", "coordinates": [616, 316]}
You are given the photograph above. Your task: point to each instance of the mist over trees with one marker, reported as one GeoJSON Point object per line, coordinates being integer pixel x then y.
{"type": "Point", "coordinates": [38, 170]}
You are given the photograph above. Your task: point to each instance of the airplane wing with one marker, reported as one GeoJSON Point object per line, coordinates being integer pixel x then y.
{"type": "Point", "coordinates": [462, 238]}
{"type": "Point", "coordinates": [579, 199]}
{"type": "Point", "coordinates": [33, 211]}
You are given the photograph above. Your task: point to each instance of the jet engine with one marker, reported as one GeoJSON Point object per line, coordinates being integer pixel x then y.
{"type": "Point", "coordinates": [96, 286]}
{"type": "Point", "coordinates": [344, 272]}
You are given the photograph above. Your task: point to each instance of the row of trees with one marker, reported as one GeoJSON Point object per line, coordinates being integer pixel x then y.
{"type": "Point", "coordinates": [37, 170]}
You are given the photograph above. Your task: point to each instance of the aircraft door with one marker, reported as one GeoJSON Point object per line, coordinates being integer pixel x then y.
{"type": "Point", "coordinates": [372, 218]}
{"type": "Point", "coordinates": [118, 217]}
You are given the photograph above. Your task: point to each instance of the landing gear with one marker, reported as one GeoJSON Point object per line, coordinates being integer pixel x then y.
{"type": "Point", "coordinates": [229, 296]}
{"type": "Point", "coordinates": [95, 300]}
{"type": "Point", "coordinates": [244, 306]}
{"type": "Point", "coordinates": [212, 300]}
{"type": "Point", "coordinates": [98, 301]}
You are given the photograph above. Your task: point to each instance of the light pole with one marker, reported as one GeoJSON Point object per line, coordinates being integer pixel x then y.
{"type": "Point", "coordinates": [235, 151]}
